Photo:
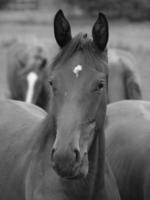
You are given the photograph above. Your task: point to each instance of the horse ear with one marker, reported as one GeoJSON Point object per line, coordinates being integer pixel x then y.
{"type": "Point", "coordinates": [62, 29]}
{"type": "Point", "coordinates": [100, 31]}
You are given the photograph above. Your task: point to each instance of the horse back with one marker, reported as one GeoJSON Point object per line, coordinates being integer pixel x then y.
{"type": "Point", "coordinates": [128, 147]}
{"type": "Point", "coordinates": [17, 123]}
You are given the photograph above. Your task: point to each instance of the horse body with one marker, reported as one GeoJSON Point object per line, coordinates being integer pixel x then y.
{"type": "Point", "coordinates": [17, 121]}
{"type": "Point", "coordinates": [27, 72]}
{"type": "Point", "coordinates": [124, 81]}
{"type": "Point", "coordinates": [60, 156]}
{"type": "Point", "coordinates": [26, 173]}
{"type": "Point", "coordinates": [128, 147]}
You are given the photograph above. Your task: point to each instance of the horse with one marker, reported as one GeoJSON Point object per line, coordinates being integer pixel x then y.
{"type": "Point", "coordinates": [27, 72]}
{"type": "Point", "coordinates": [124, 80]}
{"type": "Point", "coordinates": [59, 155]}
{"type": "Point", "coordinates": [128, 147]}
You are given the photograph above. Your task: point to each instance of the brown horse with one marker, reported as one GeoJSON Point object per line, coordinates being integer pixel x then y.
{"type": "Point", "coordinates": [60, 156]}
{"type": "Point", "coordinates": [124, 81]}
{"type": "Point", "coordinates": [27, 72]}
{"type": "Point", "coordinates": [128, 147]}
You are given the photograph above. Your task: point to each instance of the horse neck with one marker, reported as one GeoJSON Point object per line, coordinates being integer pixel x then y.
{"type": "Point", "coordinates": [96, 163]}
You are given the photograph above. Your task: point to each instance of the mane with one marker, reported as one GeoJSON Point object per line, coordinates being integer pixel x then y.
{"type": "Point", "coordinates": [86, 46]}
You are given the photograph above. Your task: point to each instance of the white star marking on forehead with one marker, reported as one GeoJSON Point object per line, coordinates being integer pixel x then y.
{"type": "Point", "coordinates": [77, 70]}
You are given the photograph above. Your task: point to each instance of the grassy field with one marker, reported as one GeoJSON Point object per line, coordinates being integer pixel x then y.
{"type": "Point", "coordinates": [133, 37]}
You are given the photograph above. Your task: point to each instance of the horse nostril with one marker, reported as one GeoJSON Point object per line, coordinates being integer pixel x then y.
{"type": "Point", "coordinates": [52, 154]}
{"type": "Point", "coordinates": [77, 155]}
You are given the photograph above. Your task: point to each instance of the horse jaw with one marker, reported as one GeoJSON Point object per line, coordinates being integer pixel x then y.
{"type": "Point", "coordinates": [32, 78]}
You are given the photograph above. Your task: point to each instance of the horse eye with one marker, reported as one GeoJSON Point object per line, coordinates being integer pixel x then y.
{"type": "Point", "coordinates": [99, 86]}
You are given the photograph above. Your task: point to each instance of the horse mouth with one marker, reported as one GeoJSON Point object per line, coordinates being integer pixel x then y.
{"type": "Point", "coordinates": [74, 177]}
{"type": "Point", "coordinates": [74, 174]}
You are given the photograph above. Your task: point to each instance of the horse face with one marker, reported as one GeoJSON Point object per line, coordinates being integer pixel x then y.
{"type": "Point", "coordinates": [32, 75]}
{"type": "Point", "coordinates": [78, 101]}
{"type": "Point", "coordinates": [79, 105]}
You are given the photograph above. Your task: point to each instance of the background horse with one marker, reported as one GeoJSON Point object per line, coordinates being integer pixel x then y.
{"type": "Point", "coordinates": [60, 156]}
{"type": "Point", "coordinates": [128, 147]}
{"type": "Point", "coordinates": [27, 72]}
{"type": "Point", "coordinates": [124, 81]}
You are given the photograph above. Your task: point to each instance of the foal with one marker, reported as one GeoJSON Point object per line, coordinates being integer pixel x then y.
{"type": "Point", "coordinates": [61, 156]}
{"type": "Point", "coordinates": [27, 72]}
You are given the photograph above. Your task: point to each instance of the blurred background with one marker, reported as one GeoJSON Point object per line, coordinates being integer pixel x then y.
{"type": "Point", "coordinates": [129, 27]}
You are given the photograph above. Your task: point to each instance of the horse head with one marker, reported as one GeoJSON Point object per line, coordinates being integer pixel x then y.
{"type": "Point", "coordinates": [79, 94]}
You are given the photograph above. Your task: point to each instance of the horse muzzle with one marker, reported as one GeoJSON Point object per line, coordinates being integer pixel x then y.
{"type": "Point", "coordinates": [69, 165]}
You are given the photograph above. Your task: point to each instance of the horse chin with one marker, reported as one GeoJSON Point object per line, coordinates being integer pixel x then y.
{"type": "Point", "coordinates": [79, 172]}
